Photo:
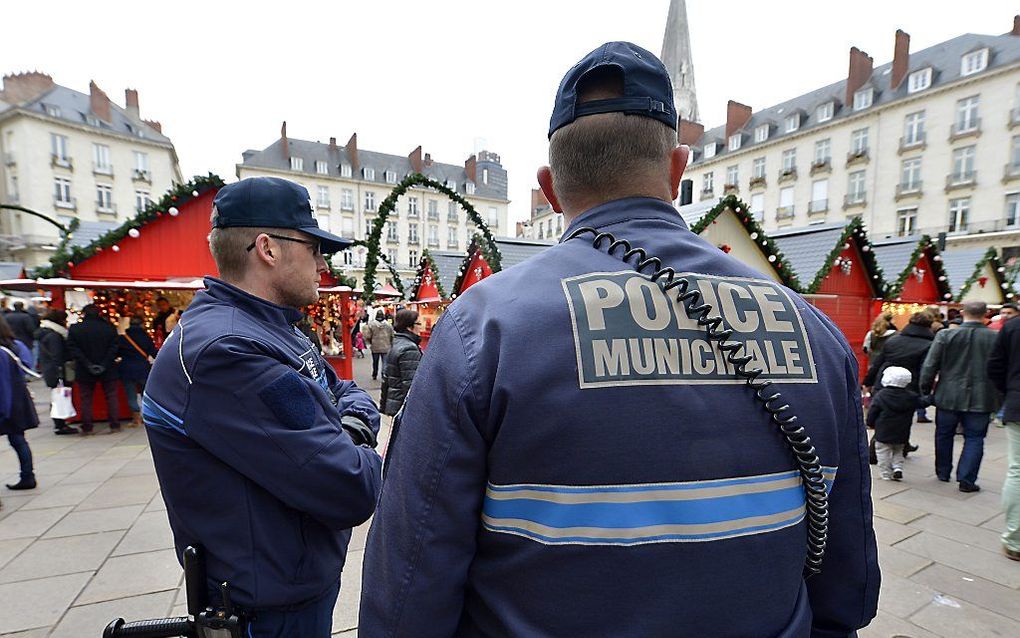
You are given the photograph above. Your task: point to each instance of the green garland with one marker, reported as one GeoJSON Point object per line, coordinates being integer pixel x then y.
{"type": "Point", "coordinates": [389, 204]}
{"type": "Point", "coordinates": [394, 274]}
{"type": "Point", "coordinates": [427, 262]}
{"type": "Point", "coordinates": [341, 278]}
{"type": "Point", "coordinates": [67, 257]}
{"type": "Point", "coordinates": [991, 258]}
{"type": "Point", "coordinates": [757, 234]}
{"type": "Point", "coordinates": [487, 250]}
{"type": "Point", "coordinates": [853, 230]}
{"type": "Point", "coordinates": [893, 290]}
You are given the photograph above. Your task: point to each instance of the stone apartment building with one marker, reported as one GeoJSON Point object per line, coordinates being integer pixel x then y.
{"type": "Point", "coordinates": [69, 155]}
{"type": "Point", "coordinates": [348, 183]}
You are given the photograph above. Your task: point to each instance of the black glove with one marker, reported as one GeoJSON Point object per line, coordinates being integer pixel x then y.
{"type": "Point", "coordinates": [360, 433]}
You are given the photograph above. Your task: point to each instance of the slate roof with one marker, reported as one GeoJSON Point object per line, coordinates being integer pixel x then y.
{"type": "Point", "coordinates": [893, 255]}
{"type": "Point", "coordinates": [960, 265]}
{"type": "Point", "coordinates": [944, 58]}
{"type": "Point", "coordinates": [74, 107]}
{"type": "Point", "coordinates": [274, 157]}
{"type": "Point", "coordinates": [11, 269]}
{"type": "Point", "coordinates": [447, 264]}
{"type": "Point", "coordinates": [691, 213]}
{"type": "Point", "coordinates": [89, 231]}
{"type": "Point", "coordinates": [806, 248]}
{"type": "Point", "coordinates": [514, 250]}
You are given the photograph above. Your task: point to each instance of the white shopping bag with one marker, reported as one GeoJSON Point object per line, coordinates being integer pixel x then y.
{"type": "Point", "coordinates": [61, 405]}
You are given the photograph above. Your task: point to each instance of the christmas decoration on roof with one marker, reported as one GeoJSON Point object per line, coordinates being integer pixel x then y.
{"type": "Point", "coordinates": [990, 258]}
{"type": "Point", "coordinates": [924, 247]}
{"type": "Point", "coordinates": [757, 234]}
{"type": "Point", "coordinates": [67, 256]}
{"type": "Point", "coordinates": [853, 231]}
{"type": "Point", "coordinates": [428, 273]}
{"type": "Point", "coordinates": [478, 248]}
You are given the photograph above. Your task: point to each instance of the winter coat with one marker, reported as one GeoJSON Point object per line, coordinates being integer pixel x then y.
{"type": "Point", "coordinates": [873, 345]}
{"type": "Point", "coordinates": [133, 365]}
{"type": "Point", "coordinates": [906, 349]}
{"type": "Point", "coordinates": [379, 335]}
{"type": "Point", "coordinates": [53, 352]}
{"type": "Point", "coordinates": [94, 341]}
{"type": "Point", "coordinates": [401, 364]}
{"type": "Point", "coordinates": [23, 325]}
{"type": "Point", "coordinates": [1004, 368]}
{"type": "Point", "coordinates": [892, 413]}
{"type": "Point", "coordinates": [17, 410]}
{"type": "Point", "coordinates": [960, 359]}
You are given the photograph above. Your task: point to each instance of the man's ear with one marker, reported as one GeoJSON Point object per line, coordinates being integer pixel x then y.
{"type": "Point", "coordinates": [545, 181]}
{"type": "Point", "coordinates": [677, 165]}
{"type": "Point", "coordinates": [264, 250]}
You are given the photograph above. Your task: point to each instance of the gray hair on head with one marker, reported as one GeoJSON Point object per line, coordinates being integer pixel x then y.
{"type": "Point", "coordinates": [975, 309]}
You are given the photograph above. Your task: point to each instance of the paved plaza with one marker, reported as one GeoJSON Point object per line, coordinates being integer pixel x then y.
{"type": "Point", "coordinates": [92, 543]}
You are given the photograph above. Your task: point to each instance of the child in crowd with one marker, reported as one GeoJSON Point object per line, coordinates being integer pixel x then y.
{"type": "Point", "coordinates": [891, 414]}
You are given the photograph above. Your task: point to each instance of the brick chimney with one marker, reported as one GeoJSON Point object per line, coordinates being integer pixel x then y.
{"type": "Point", "coordinates": [131, 103]}
{"type": "Point", "coordinates": [155, 124]}
{"type": "Point", "coordinates": [1016, 26]}
{"type": "Point", "coordinates": [690, 133]}
{"type": "Point", "coordinates": [286, 142]}
{"type": "Point", "coordinates": [415, 157]}
{"type": "Point", "coordinates": [737, 115]}
{"type": "Point", "coordinates": [22, 87]}
{"type": "Point", "coordinates": [901, 59]}
{"type": "Point", "coordinates": [99, 102]}
{"type": "Point", "coordinates": [538, 200]}
{"type": "Point", "coordinates": [471, 168]}
{"type": "Point", "coordinates": [352, 151]}
{"type": "Point", "coordinates": [859, 74]}
{"type": "Point", "coordinates": [332, 145]}
{"type": "Point", "coordinates": [428, 159]}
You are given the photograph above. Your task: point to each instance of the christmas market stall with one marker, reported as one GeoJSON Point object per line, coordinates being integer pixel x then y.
{"type": "Point", "coordinates": [727, 224]}
{"type": "Point", "coordinates": [430, 291]}
{"type": "Point", "coordinates": [975, 274]}
{"type": "Point", "coordinates": [838, 274]}
{"type": "Point", "coordinates": [915, 277]}
{"type": "Point", "coordinates": [484, 258]}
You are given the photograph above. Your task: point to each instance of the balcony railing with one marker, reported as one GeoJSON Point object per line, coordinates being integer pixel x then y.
{"type": "Point", "coordinates": [965, 129]}
{"type": "Point", "coordinates": [972, 227]}
{"type": "Point", "coordinates": [758, 182]}
{"type": "Point", "coordinates": [141, 175]}
{"type": "Point", "coordinates": [413, 241]}
{"type": "Point", "coordinates": [1011, 172]}
{"type": "Point", "coordinates": [730, 187]}
{"type": "Point", "coordinates": [433, 243]}
{"type": "Point", "coordinates": [493, 223]}
{"type": "Point", "coordinates": [859, 156]}
{"type": "Point", "coordinates": [452, 218]}
{"type": "Point", "coordinates": [909, 189]}
{"type": "Point", "coordinates": [787, 174]}
{"type": "Point", "coordinates": [347, 206]}
{"type": "Point", "coordinates": [69, 204]}
{"type": "Point", "coordinates": [392, 239]}
{"type": "Point", "coordinates": [855, 199]}
{"type": "Point", "coordinates": [433, 215]}
{"type": "Point", "coordinates": [821, 166]}
{"type": "Point", "coordinates": [102, 169]}
{"type": "Point", "coordinates": [818, 206]}
{"type": "Point", "coordinates": [61, 162]}
{"type": "Point", "coordinates": [347, 234]}
{"type": "Point", "coordinates": [784, 212]}
{"type": "Point", "coordinates": [1014, 117]}
{"type": "Point", "coordinates": [707, 193]}
{"type": "Point", "coordinates": [106, 209]}
{"type": "Point", "coordinates": [412, 213]}
{"type": "Point", "coordinates": [961, 180]}
{"type": "Point", "coordinates": [915, 144]}
{"type": "Point", "coordinates": [452, 245]}
{"type": "Point", "coordinates": [322, 204]}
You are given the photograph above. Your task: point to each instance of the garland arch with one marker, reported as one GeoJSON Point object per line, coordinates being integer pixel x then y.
{"type": "Point", "coordinates": [389, 205]}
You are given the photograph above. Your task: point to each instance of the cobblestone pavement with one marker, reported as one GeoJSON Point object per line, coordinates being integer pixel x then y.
{"type": "Point", "coordinates": [92, 543]}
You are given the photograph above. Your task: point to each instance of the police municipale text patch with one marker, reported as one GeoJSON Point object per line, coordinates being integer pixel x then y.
{"type": "Point", "coordinates": [627, 332]}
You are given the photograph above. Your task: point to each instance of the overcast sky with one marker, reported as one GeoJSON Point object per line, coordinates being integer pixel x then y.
{"type": "Point", "coordinates": [445, 74]}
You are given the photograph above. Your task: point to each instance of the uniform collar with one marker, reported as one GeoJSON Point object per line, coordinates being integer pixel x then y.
{"type": "Point", "coordinates": [623, 210]}
{"type": "Point", "coordinates": [256, 306]}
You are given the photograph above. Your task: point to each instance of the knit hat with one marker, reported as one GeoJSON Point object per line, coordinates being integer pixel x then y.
{"type": "Point", "coordinates": [896, 377]}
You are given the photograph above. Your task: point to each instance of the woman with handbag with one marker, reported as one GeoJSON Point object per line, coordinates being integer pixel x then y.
{"type": "Point", "coordinates": [53, 363]}
{"type": "Point", "coordinates": [137, 352]}
{"type": "Point", "coordinates": [17, 410]}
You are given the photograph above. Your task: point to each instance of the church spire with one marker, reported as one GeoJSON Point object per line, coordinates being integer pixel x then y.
{"type": "Point", "coordinates": [676, 55]}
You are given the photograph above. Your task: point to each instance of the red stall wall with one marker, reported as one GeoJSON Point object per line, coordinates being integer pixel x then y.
{"type": "Point", "coordinates": [851, 306]}
{"type": "Point", "coordinates": [477, 270]}
{"type": "Point", "coordinates": [924, 291]}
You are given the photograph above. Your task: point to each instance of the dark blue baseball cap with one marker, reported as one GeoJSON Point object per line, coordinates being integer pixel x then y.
{"type": "Point", "coordinates": [272, 202]}
{"type": "Point", "coordinates": [647, 90]}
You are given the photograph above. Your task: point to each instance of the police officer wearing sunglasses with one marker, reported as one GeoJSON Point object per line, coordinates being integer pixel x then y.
{"type": "Point", "coordinates": [264, 456]}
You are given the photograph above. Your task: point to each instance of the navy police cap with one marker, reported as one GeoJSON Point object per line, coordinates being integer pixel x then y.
{"type": "Point", "coordinates": [647, 90]}
{"type": "Point", "coordinates": [272, 202]}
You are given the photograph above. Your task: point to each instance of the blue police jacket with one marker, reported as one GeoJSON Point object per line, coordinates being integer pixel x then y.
{"type": "Point", "coordinates": [575, 459]}
{"type": "Point", "coordinates": [243, 419]}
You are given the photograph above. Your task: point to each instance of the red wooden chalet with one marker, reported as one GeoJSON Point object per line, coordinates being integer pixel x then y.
{"type": "Point", "coordinates": [512, 251]}
{"type": "Point", "coordinates": [914, 274]}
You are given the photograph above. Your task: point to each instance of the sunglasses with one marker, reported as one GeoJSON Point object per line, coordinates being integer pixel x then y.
{"type": "Point", "coordinates": [316, 249]}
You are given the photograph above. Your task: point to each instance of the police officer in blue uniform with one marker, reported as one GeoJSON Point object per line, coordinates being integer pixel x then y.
{"type": "Point", "coordinates": [575, 458]}
{"type": "Point", "coordinates": [264, 456]}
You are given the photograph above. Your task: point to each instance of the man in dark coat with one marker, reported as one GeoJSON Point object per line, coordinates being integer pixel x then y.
{"type": "Point", "coordinates": [906, 350]}
{"type": "Point", "coordinates": [22, 324]}
{"type": "Point", "coordinates": [1004, 373]}
{"type": "Point", "coordinates": [401, 361]}
{"type": "Point", "coordinates": [53, 356]}
{"type": "Point", "coordinates": [964, 394]}
{"type": "Point", "coordinates": [93, 345]}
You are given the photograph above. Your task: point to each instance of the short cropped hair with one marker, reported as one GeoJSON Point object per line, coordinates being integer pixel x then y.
{"type": "Point", "coordinates": [975, 309]}
{"type": "Point", "coordinates": [229, 248]}
{"type": "Point", "coordinates": [404, 319]}
{"type": "Point", "coordinates": [600, 155]}
{"type": "Point", "coordinates": [923, 319]}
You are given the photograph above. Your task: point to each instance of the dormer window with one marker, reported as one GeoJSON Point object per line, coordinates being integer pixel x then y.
{"type": "Point", "coordinates": [297, 164]}
{"type": "Point", "coordinates": [974, 62]}
{"type": "Point", "coordinates": [345, 170]}
{"type": "Point", "coordinates": [52, 111]}
{"type": "Point", "coordinates": [368, 173]}
{"type": "Point", "coordinates": [451, 184]}
{"type": "Point", "coordinates": [919, 80]}
{"type": "Point", "coordinates": [863, 98]}
{"type": "Point", "coordinates": [391, 177]}
{"type": "Point", "coordinates": [710, 150]}
{"type": "Point", "coordinates": [791, 123]}
{"type": "Point", "coordinates": [321, 168]}
{"type": "Point", "coordinates": [470, 187]}
{"type": "Point", "coordinates": [825, 111]}
{"type": "Point", "coordinates": [761, 133]}
{"type": "Point", "coordinates": [734, 142]}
